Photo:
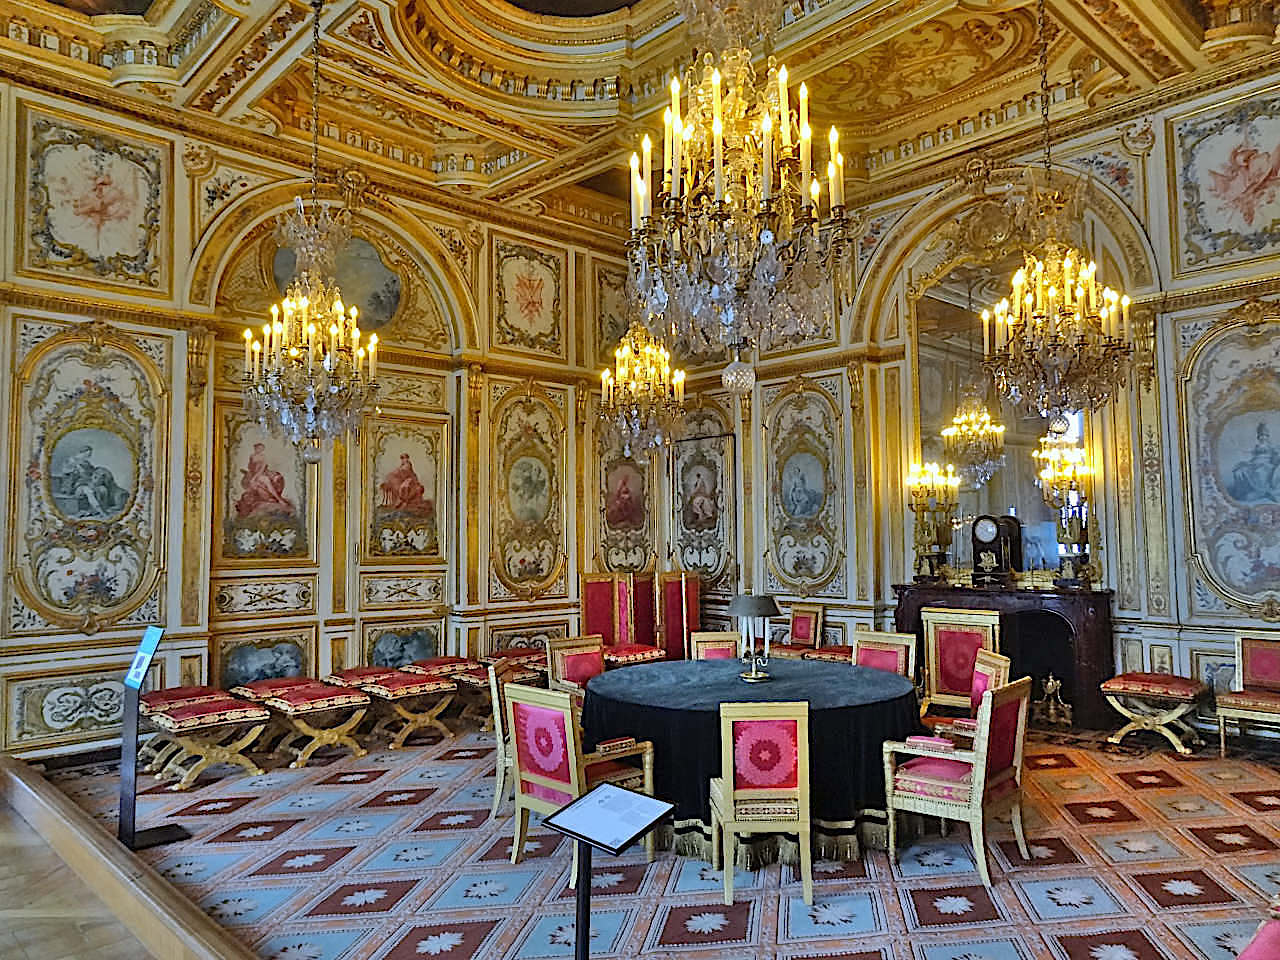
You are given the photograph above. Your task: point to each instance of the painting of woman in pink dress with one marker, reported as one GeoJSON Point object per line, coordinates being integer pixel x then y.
{"type": "Point", "coordinates": [263, 489]}
{"type": "Point", "coordinates": [403, 492]}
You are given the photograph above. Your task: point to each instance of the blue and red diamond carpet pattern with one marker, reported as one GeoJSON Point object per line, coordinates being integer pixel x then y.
{"type": "Point", "coordinates": [1136, 855]}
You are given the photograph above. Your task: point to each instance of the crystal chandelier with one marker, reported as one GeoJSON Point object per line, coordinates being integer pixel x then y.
{"type": "Point", "coordinates": [733, 244]}
{"type": "Point", "coordinates": [1060, 342]}
{"type": "Point", "coordinates": [642, 398]}
{"type": "Point", "coordinates": [974, 442]}
{"type": "Point", "coordinates": [312, 374]}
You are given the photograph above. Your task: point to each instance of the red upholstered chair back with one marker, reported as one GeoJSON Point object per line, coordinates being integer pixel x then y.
{"type": "Point", "coordinates": [544, 734]}
{"type": "Point", "coordinates": [644, 609]}
{"type": "Point", "coordinates": [806, 625]}
{"type": "Point", "coordinates": [714, 645]}
{"type": "Point", "coordinates": [679, 611]}
{"type": "Point", "coordinates": [892, 652]}
{"type": "Point", "coordinates": [599, 606]}
{"type": "Point", "coordinates": [990, 670]}
{"type": "Point", "coordinates": [765, 751]}
{"type": "Point", "coordinates": [622, 611]}
{"type": "Point", "coordinates": [572, 661]}
{"type": "Point", "coordinates": [1258, 661]}
{"type": "Point", "coordinates": [999, 732]}
{"type": "Point", "coordinates": [952, 639]}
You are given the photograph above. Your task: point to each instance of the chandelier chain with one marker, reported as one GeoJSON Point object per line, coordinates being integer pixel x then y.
{"type": "Point", "coordinates": [316, 7]}
{"type": "Point", "coordinates": [1042, 30]}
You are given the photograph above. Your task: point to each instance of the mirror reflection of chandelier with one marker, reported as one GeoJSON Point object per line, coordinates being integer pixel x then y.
{"type": "Point", "coordinates": [312, 374]}
{"type": "Point", "coordinates": [1059, 343]}
{"type": "Point", "coordinates": [733, 244]}
{"type": "Point", "coordinates": [974, 442]}
{"type": "Point", "coordinates": [1063, 480]}
{"type": "Point", "coordinates": [642, 398]}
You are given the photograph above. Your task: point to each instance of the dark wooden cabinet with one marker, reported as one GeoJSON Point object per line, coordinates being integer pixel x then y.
{"type": "Point", "coordinates": [1066, 631]}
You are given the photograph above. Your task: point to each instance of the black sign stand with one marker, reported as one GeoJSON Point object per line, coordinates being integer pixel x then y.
{"type": "Point", "coordinates": [129, 836]}
{"type": "Point", "coordinates": [610, 819]}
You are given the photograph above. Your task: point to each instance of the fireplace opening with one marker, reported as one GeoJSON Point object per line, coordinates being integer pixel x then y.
{"type": "Point", "coordinates": [1039, 643]}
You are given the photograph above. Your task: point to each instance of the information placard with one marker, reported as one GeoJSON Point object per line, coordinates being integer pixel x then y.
{"type": "Point", "coordinates": [142, 659]}
{"type": "Point", "coordinates": [609, 817]}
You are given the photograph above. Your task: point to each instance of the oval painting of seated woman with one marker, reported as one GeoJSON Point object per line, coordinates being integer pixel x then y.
{"type": "Point", "coordinates": [92, 474]}
{"type": "Point", "coordinates": [529, 490]}
{"type": "Point", "coordinates": [804, 486]}
{"type": "Point", "coordinates": [364, 278]}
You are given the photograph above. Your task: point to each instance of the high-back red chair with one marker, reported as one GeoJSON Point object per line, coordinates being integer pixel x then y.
{"type": "Point", "coordinates": [952, 639]}
{"type": "Point", "coordinates": [714, 644]}
{"type": "Point", "coordinates": [804, 634]}
{"type": "Point", "coordinates": [679, 611]}
{"type": "Point", "coordinates": [891, 652]}
{"type": "Point", "coordinates": [1255, 690]}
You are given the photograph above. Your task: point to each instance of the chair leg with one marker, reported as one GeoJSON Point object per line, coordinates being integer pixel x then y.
{"type": "Point", "coordinates": [522, 828]}
{"type": "Point", "coordinates": [980, 850]}
{"type": "Point", "coordinates": [499, 786]}
{"type": "Point", "coordinates": [650, 838]}
{"type": "Point", "coordinates": [1222, 736]}
{"type": "Point", "coordinates": [730, 862]}
{"type": "Point", "coordinates": [806, 866]}
{"type": "Point", "coordinates": [943, 827]}
{"type": "Point", "coordinates": [893, 835]}
{"type": "Point", "coordinates": [1019, 835]}
{"type": "Point", "coordinates": [716, 857]}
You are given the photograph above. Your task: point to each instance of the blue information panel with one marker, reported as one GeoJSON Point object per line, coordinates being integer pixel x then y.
{"type": "Point", "coordinates": [142, 659]}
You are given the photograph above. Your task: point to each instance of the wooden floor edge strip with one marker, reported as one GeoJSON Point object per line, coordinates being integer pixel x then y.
{"type": "Point", "coordinates": [164, 921]}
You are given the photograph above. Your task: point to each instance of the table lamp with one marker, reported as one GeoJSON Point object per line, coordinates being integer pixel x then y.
{"type": "Point", "coordinates": [748, 608]}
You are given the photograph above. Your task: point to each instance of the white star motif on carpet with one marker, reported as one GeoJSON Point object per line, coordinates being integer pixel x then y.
{"type": "Point", "coordinates": [1187, 806]}
{"type": "Point", "coordinates": [1268, 800]}
{"type": "Point", "coordinates": [485, 889]}
{"type": "Point", "coordinates": [1182, 888]}
{"type": "Point", "coordinates": [412, 855]}
{"type": "Point", "coordinates": [1112, 951]}
{"type": "Point", "coordinates": [706, 923]}
{"type": "Point", "coordinates": [351, 778]}
{"type": "Point", "coordinates": [1069, 896]}
{"type": "Point", "coordinates": [353, 826]}
{"type": "Point", "coordinates": [250, 832]}
{"type": "Point", "coordinates": [1149, 778]}
{"type": "Point", "coordinates": [185, 868]}
{"type": "Point", "coordinates": [302, 950]}
{"type": "Point", "coordinates": [1039, 851]}
{"type": "Point", "coordinates": [953, 905]}
{"type": "Point", "coordinates": [563, 935]}
{"type": "Point", "coordinates": [830, 914]}
{"type": "Point", "coordinates": [934, 858]}
{"type": "Point", "coordinates": [1137, 845]}
{"type": "Point", "coordinates": [456, 819]}
{"type": "Point", "coordinates": [1100, 813]}
{"type": "Point", "coordinates": [399, 797]}
{"type": "Point", "coordinates": [1073, 784]}
{"type": "Point", "coordinates": [362, 898]}
{"type": "Point", "coordinates": [1232, 839]}
{"type": "Point", "coordinates": [232, 907]}
{"type": "Point", "coordinates": [214, 805]}
{"type": "Point", "coordinates": [305, 803]}
{"type": "Point", "coordinates": [606, 880]}
{"type": "Point", "coordinates": [303, 860]}
{"type": "Point", "coordinates": [439, 943]}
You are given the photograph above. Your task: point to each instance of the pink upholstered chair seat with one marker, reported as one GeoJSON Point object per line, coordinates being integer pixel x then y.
{"type": "Point", "coordinates": [442, 666]}
{"type": "Point", "coordinates": [833, 654]}
{"type": "Point", "coordinates": [315, 697]}
{"type": "Point", "coordinates": [177, 697]}
{"type": "Point", "coordinates": [208, 713]}
{"type": "Point", "coordinates": [946, 779]}
{"type": "Point", "coordinates": [1160, 685]}
{"type": "Point", "coordinates": [720, 653]}
{"type": "Point", "coordinates": [633, 653]}
{"type": "Point", "coordinates": [358, 676]}
{"type": "Point", "coordinates": [259, 690]}
{"type": "Point", "coordinates": [401, 685]}
{"type": "Point", "coordinates": [1267, 701]}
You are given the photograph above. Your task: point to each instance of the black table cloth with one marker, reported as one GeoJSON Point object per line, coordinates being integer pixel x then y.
{"type": "Point", "coordinates": [676, 705]}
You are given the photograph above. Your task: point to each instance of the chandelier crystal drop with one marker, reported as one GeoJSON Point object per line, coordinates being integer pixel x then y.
{"type": "Point", "coordinates": [974, 442]}
{"type": "Point", "coordinates": [312, 375]}
{"type": "Point", "coordinates": [738, 240]}
{"type": "Point", "coordinates": [642, 398]}
{"type": "Point", "coordinates": [1059, 343]}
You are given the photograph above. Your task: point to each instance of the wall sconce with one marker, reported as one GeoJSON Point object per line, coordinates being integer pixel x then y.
{"type": "Point", "coordinates": [934, 493]}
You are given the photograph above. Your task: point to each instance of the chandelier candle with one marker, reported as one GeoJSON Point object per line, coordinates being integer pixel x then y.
{"type": "Point", "coordinates": [736, 251]}
{"type": "Point", "coordinates": [642, 398]}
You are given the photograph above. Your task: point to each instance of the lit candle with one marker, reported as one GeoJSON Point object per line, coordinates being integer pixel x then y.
{"type": "Point", "coordinates": [831, 182]}
{"type": "Point", "coordinates": [248, 352]}
{"type": "Point", "coordinates": [804, 107]}
{"type": "Point", "coordinates": [647, 146]}
{"type": "Point", "coordinates": [266, 337]}
{"type": "Point", "coordinates": [833, 142]}
{"type": "Point", "coordinates": [666, 150]}
{"type": "Point", "coordinates": [717, 129]}
{"type": "Point", "coordinates": [373, 357]}
{"type": "Point", "coordinates": [359, 361]}
{"type": "Point", "coordinates": [604, 386]}
{"type": "Point", "coordinates": [986, 331]}
{"type": "Point", "coordinates": [635, 193]}
{"type": "Point", "coordinates": [677, 138]}
{"type": "Point", "coordinates": [1124, 307]}
{"type": "Point", "coordinates": [814, 190]}
{"type": "Point", "coordinates": [257, 360]}
{"type": "Point", "coordinates": [355, 338]}
{"type": "Point", "coordinates": [806, 143]}
{"type": "Point", "coordinates": [784, 109]}
{"type": "Point", "coordinates": [766, 163]}
{"type": "Point", "coordinates": [333, 345]}
{"type": "Point", "coordinates": [311, 345]}
{"type": "Point", "coordinates": [840, 175]}
{"type": "Point", "coordinates": [277, 339]}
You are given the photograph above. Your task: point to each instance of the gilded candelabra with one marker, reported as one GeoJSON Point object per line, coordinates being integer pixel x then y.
{"type": "Point", "coordinates": [1064, 479]}
{"type": "Point", "coordinates": [935, 495]}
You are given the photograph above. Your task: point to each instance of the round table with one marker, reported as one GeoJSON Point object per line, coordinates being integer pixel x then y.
{"type": "Point", "coordinates": [676, 705]}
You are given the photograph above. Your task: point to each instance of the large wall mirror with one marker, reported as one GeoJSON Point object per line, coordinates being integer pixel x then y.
{"type": "Point", "coordinates": [948, 361]}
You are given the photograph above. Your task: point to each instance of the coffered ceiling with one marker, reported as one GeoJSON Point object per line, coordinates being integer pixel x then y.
{"type": "Point", "coordinates": [538, 104]}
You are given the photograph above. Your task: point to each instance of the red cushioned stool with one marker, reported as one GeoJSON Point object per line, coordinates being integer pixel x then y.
{"type": "Point", "coordinates": [623, 654]}
{"type": "Point", "coordinates": [535, 658]}
{"type": "Point", "coordinates": [208, 732]}
{"type": "Point", "coordinates": [440, 666]}
{"type": "Point", "coordinates": [832, 654]}
{"type": "Point", "coordinates": [279, 732]}
{"type": "Point", "coordinates": [160, 748]}
{"type": "Point", "coordinates": [411, 702]}
{"type": "Point", "coordinates": [1155, 701]}
{"type": "Point", "coordinates": [316, 701]}
{"type": "Point", "coordinates": [357, 676]}
{"type": "Point", "coordinates": [479, 697]}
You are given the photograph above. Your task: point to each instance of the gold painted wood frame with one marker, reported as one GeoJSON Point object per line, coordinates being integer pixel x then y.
{"type": "Point", "coordinates": [246, 655]}
{"type": "Point", "coordinates": [703, 490]}
{"type": "Point", "coordinates": [89, 436]}
{"type": "Point", "coordinates": [526, 496]}
{"type": "Point", "coordinates": [404, 497]}
{"type": "Point", "coordinates": [935, 619]}
{"type": "Point", "coordinates": [529, 298]}
{"type": "Point", "coordinates": [625, 532]}
{"type": "Point", "coordinates": [264, 496]}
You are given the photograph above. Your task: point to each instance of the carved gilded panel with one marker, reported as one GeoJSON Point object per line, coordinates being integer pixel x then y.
{"type": "Point", "coordinates": [804, 464]}
{"type": "Point", "coordinates": [90, 449]}
{"type": "Point", "coordinates": [609, 285]}
{"type": "Point", "coordinates": [249, 597]}
{"type": "Point", "coordinates": [704, 497]}
{"type": "Point", "coordinates": [391, 591]}
{"type": "Point", "coordinates": [258, 654]}
{"type": "Point", "coordinates": [403, 490]}
{"type": "Point", "coordinates": [526, 512]}
{"type": "Point", "coordinates": [625, 495]}
{"type": "Point", "coordinates": [529, 297]}
{"type": "Point", "coordinates": [1229, 407]}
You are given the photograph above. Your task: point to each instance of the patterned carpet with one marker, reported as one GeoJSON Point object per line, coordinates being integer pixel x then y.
{"type": "Point", "coordinates": [1137, 855]}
